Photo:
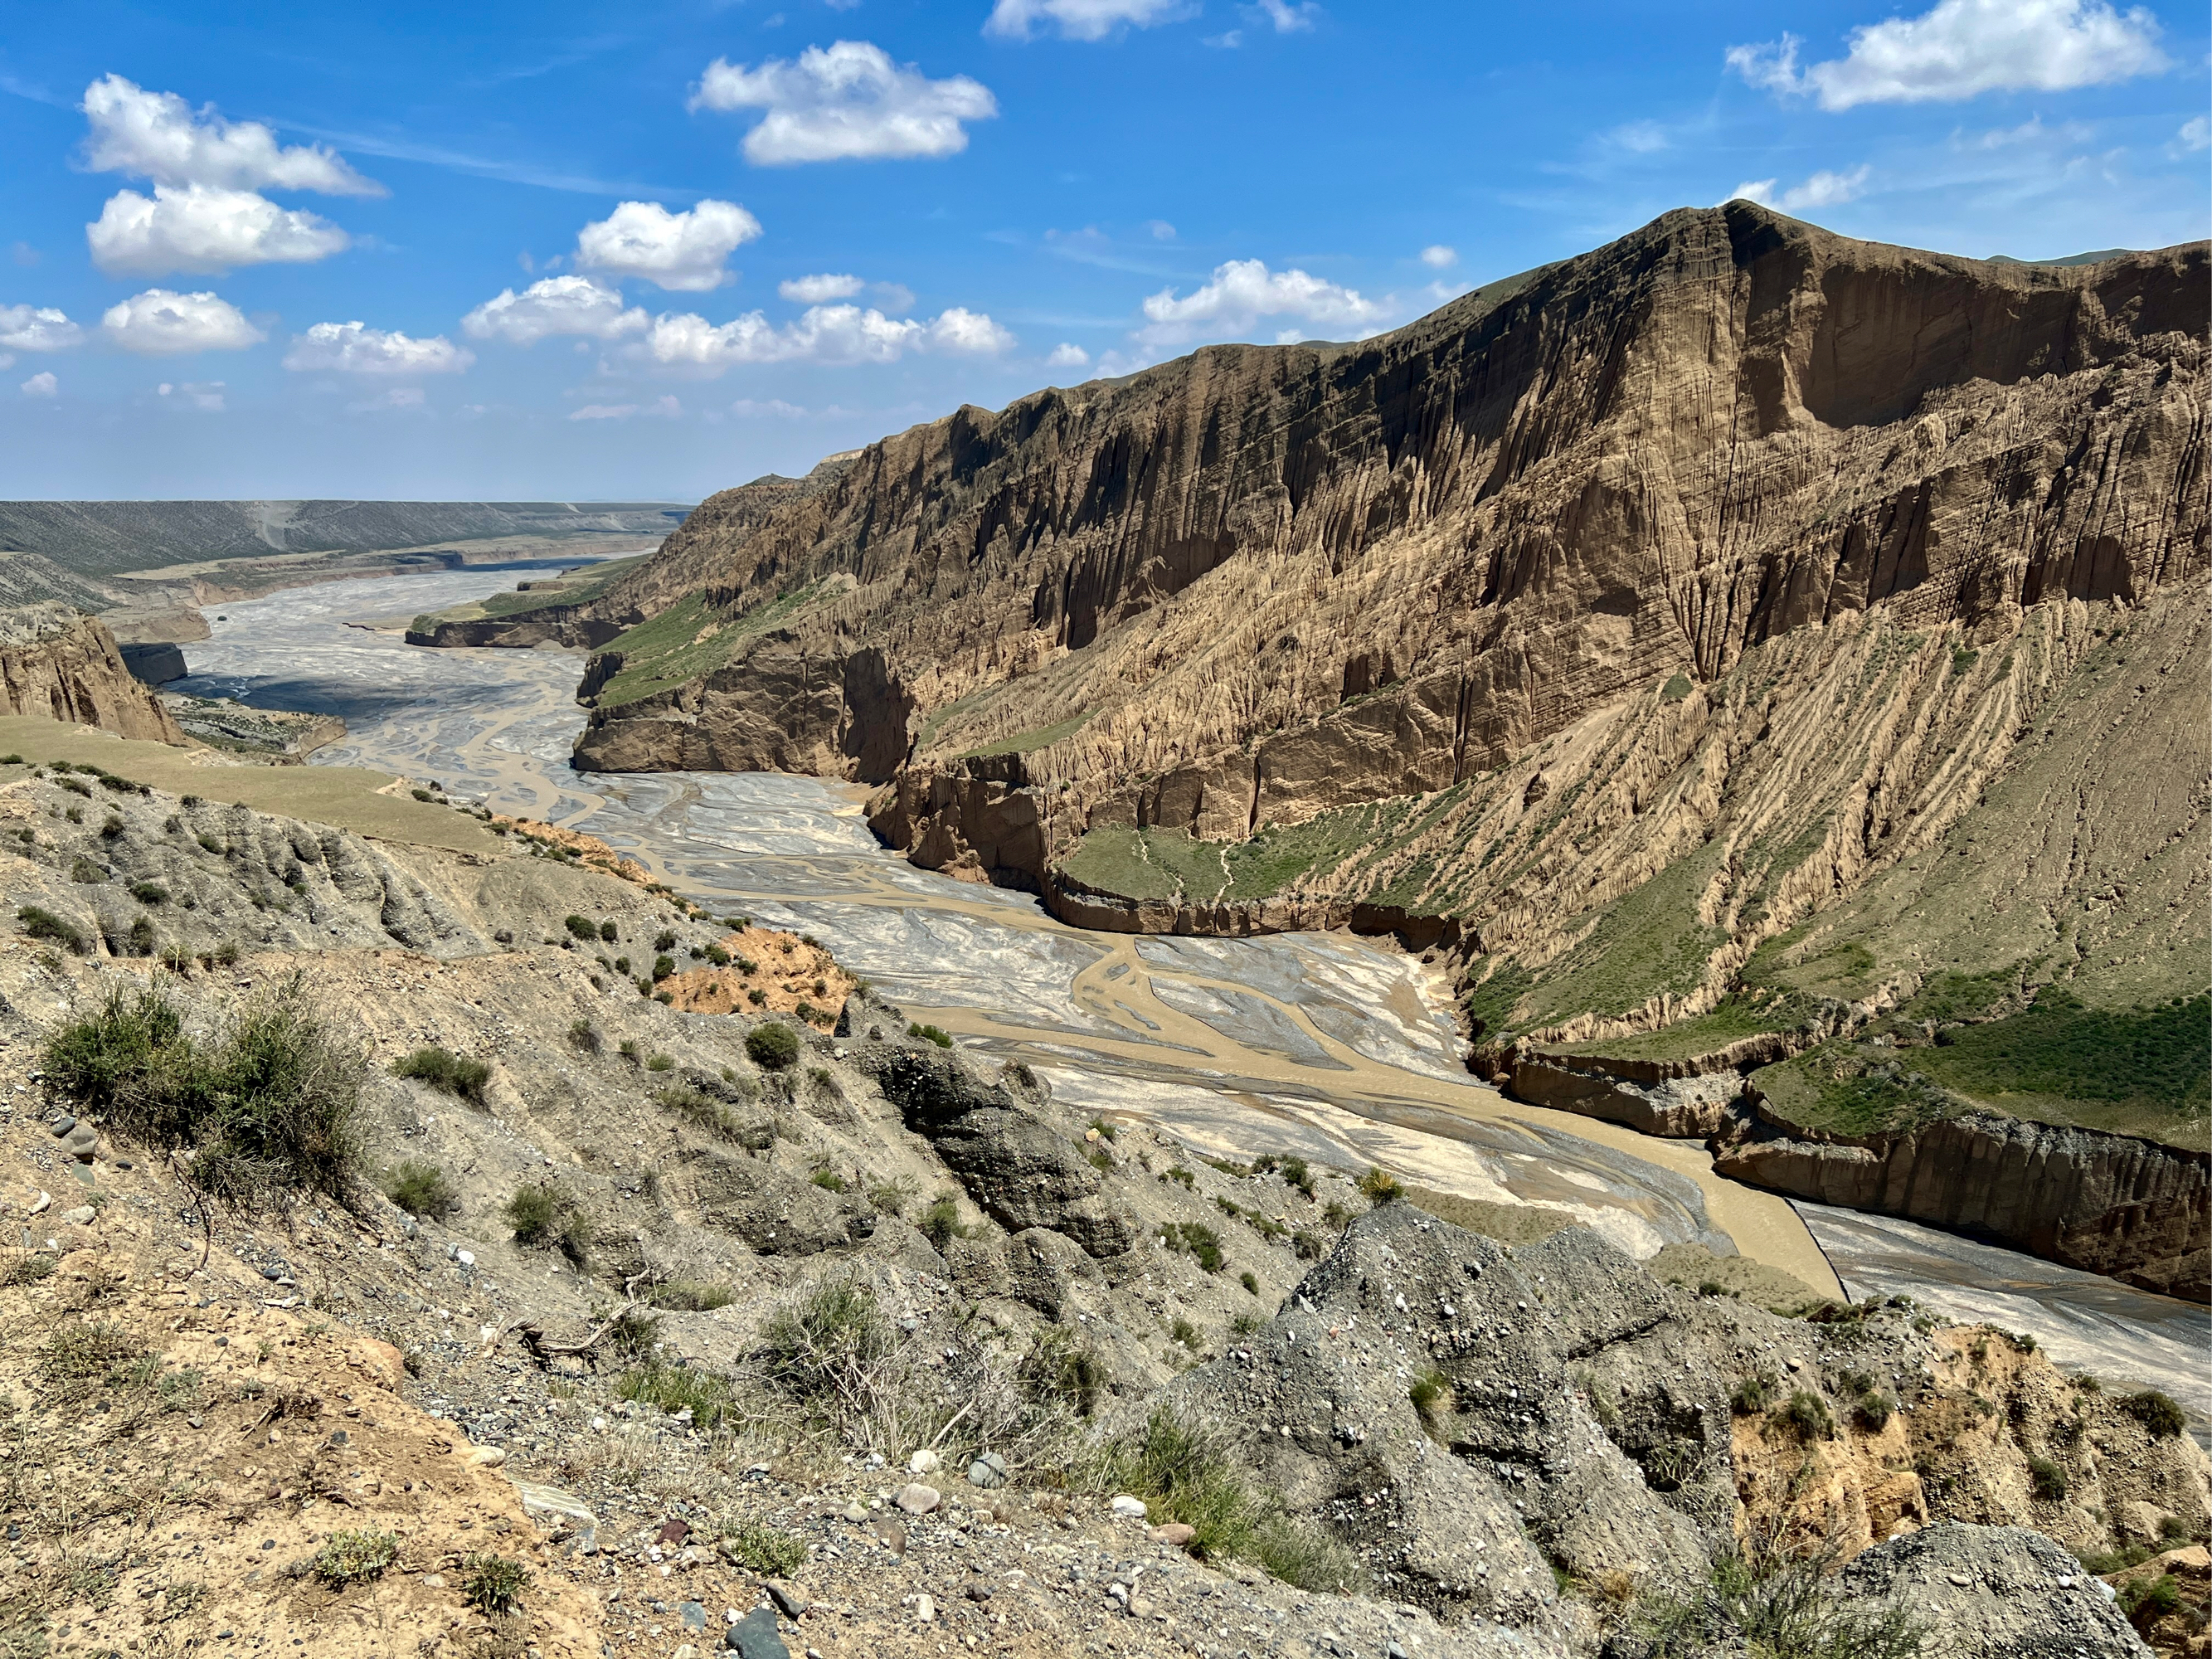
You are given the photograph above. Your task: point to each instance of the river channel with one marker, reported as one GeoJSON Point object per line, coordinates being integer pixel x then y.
{"type": "Point", "coordinates": [1334, 1047]}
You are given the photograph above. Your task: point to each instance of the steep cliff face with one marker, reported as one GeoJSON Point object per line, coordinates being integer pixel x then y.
{"type": "Point", "coordinates": [58, 664]}
{"type": "Point", "coordinates": [1259, 582]}
{"type": "Point", "coordinates": [2110, 1204]}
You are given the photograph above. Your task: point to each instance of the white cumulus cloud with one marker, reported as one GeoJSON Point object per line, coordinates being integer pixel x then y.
{"type": "Point", "coordinates": [679, 251]}
{"type": "Point", "coordinates": [27, 328]}
{"type": "Point", "coordinates": [1822, 189]}
{"type": "Point", "coordinates": [555, 305]}
{"type": "Point", "coordinates": [357, 349]}
{"type": "Point", "coordinates": [205, 229]}
{"type": "Point", "coordinates": [1436, 256]}
{"type": "Point", "coordinates": [160, 323]}
{"type": "Point", "coordinates": [43, 385]}
{"type": "Point", "coordinates": [817, 290]}
{"type": "Point", "coordinates": [969, 332]}
{"type": "Point", "coordinates": [663, 408]}
{"type": "Point", "coordinates": [1963, 48]}
{"type": "Point", "coordinates": [1287, 17]}
{"type": "Point", "coordinates": [1079, 20]}
{"type": "Point", "coordinates": [2195, 135]}
{"type": "Point", "coordinates": [1067, 355]}
{"type": "Point", "coordinates": [202, 397]}
{"type": "Point", "coordinates": [823, 334]}
{"type": "Point", "coordinates": [1243, 291]}
{"type": "Point", "coordinates": [156, 135]}
{"type": "Point", "coordinates": [849, 102]}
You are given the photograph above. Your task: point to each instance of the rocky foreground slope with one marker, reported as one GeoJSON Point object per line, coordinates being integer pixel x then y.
{"type": "Point", "coordinates": [487, 1304]}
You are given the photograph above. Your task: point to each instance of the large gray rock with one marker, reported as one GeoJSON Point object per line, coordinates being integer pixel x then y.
{"type": "Point", "coordinates": [1020, 1170]}
{"type": "Point", "coordinates": [1996, 1592]}
{"type": "Point", "coordinates": [1458, 1509]}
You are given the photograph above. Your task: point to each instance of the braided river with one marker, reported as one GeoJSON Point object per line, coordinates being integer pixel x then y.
{"type": "Point", "coordinates": [1335, 1047]}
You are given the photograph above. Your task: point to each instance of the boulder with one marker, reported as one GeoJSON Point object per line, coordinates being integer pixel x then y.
{"type": "Point", "coordinates": [1995, 1593]}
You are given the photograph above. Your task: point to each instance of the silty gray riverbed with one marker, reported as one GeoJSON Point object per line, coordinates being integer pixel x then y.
{"type": "Point", "coordinates": [1324, 1045]}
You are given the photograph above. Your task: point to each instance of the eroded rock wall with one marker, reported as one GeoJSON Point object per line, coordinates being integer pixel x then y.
{"type": "Point", "coordinates": [1273, 580]}
{"type": "Point", "coordinates": [57, 664]}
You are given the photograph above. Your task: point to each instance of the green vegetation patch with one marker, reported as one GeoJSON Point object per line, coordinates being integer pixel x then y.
{"type": "Point", "coordinates": [1646, 942]}
{"type": "Point", "coordinates": [1855, 1090]}
{"type": "Point", "coordinates": [2060, 1046]}
{"type": "Point", "coordinates": [690, 639]}
{"type": "Point", "coordinates": [271, 1103]}
{"type": "Point", "coordinates": [1037, 737]}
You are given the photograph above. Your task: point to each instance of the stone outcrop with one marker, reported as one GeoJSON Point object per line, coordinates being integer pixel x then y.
{"type": "Point", "coordinates": [1018, 1170]}
{"type": "Point", "coordinates": [2111, 1204]}
{"type": "Point", "coordinates": [1996, 1592]}
{"type": "Point", "coordinates": [58, 664]}
{"type": "Point", "coordinates": [1467, 1415]}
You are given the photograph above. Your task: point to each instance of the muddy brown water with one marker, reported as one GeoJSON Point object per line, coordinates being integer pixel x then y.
{"type": "Point", "coordinates": [1329, 1046]}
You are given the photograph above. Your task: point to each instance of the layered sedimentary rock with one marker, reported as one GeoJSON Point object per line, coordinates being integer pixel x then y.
{"type": "Point", "coordinates": [58, 664]}
{"type": "Point", "coordinates": [1268, 581]}
{"type": "Point", "coordinates": [2111, 1204]}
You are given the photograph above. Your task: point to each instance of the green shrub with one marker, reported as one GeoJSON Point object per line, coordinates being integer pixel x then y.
{"type": "Point", "coordinates": [891, 1197]}
{"type": "Point", "coordinates": [79, 1351]}
{"type": "Point", "coordinates": [818, 1348]}
{"type": "Point", "coordinates": [940, 1223]}
{"type": "Point", "coordinates": [1873, 1409]}
{"type": "Point", "coordinates": [931, 1033]}
{"type": "Point", "coordinates": [446, 1071]}
{"type": "Point", "coordinates": [1250, 1281]}
{"type": "Point", "coordinates": [1295, 1170]}
{"type": "Point", "coordinates": [40, 923]}
{"type": "Point", "coordinates": [582, 927]}
{"type": "Point", "coordinates": [629, 1051]}
{"type": "Point", "coordinates": [355, 1557]}
{"type": "Point", "coordinates": [492, 1584]}
{"type": "Point", "coordinates": [766, 1549]}
{"type": "Point", "coordinates": [772, 1046]}
{"type": "Point", "coordinates": [422, 1190]}
{"type": "Point", "coordinates": [662, 966]}
{"type": "Point", "coordinates": [1184, 1474]}
{"type": "Point", "coordinates": [83, 870]}
{"type": "Point", "coordinates": [2147, 1600]}
{"type": "Point", "coordinates": [2156, 1412]}
{"type": "Point", "coordinates": [544, 1217]}
{"type": "Point", "coordinates": [1805, 1415]}
{"type": "Point", "coordinates": [674, 1387]}
{"type": "Point", "coordinates": [828, 1179]}
{"type": "Point", "coordinates": [609, 932]}
{"type": "Point", "coordinates": [2048, 1479]}
{"type": "Point", "coordinates": [1380, 1186]}
{"type": "Point", "coordinates": [1778, 1608]}
{"type": "Point", "coordinates": [1198, 1240]}
{"type": "Point", "coordinates": [584, 1037]}
{"type": "Point", "coordinates": [272, 1102]}
{"type": "Point", "coordinates": [1058, 1370]}
{"type": "Point", "coordinates": [150, 892]}
{"type": "Point", "coordinates": [1431, 1394]}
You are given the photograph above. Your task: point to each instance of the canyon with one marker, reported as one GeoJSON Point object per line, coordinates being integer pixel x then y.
{"type": "Point", "coordinates": [1740, 648]}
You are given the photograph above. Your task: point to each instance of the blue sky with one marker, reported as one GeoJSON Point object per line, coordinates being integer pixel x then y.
{"type": "Point", "coordinates": [569, 252]}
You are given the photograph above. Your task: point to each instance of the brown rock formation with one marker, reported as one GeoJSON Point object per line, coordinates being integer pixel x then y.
{"type": "Point", "coordinates": [57, 663]}
{"type": "Point", "coordinates": [2108, 1204]}
{"type": "Point", "coordinates": [1279, 579]}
